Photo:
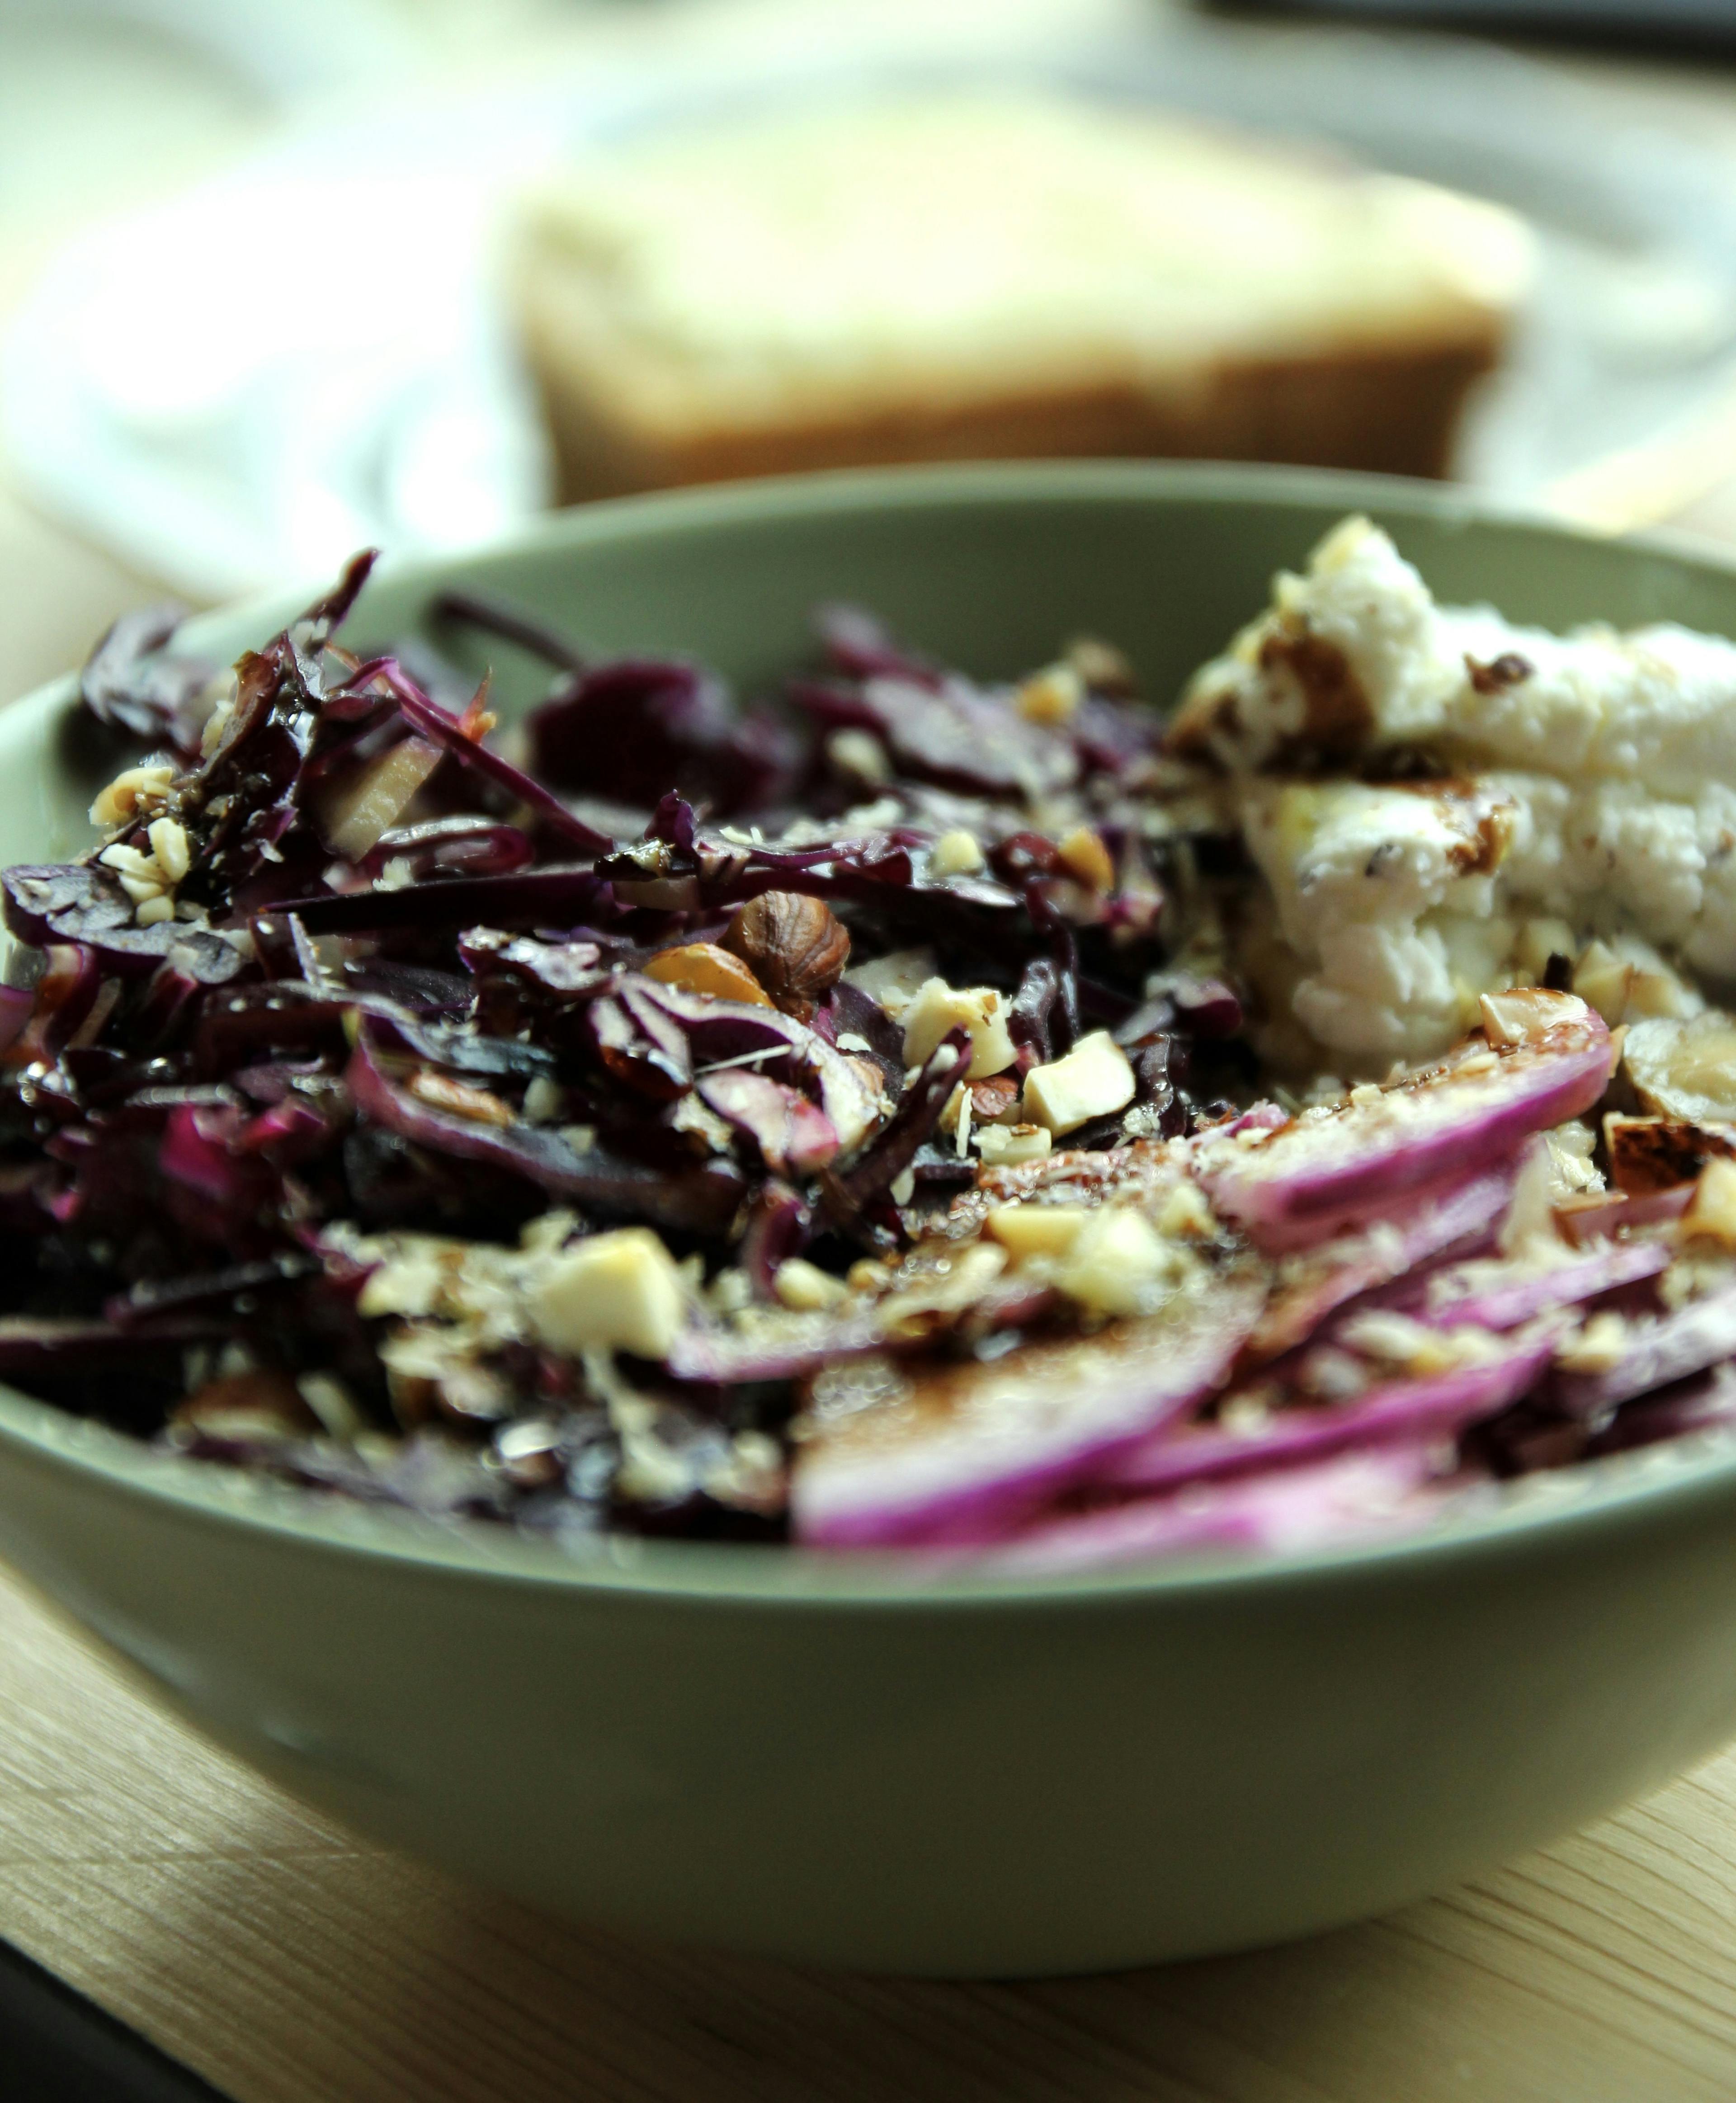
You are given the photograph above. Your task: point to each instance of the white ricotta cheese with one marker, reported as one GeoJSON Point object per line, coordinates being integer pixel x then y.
{"type": "Point", "coordinates": [1596, 771]}
{"type": "Point", "coordinates": [1386, 895]}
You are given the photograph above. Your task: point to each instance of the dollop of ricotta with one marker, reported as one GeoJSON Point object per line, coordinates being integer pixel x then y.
{"type": "Point", "coordinates": [1587, 778]}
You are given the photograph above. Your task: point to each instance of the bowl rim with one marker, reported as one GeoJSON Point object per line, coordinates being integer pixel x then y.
{"type": "Point", "coordinates": [1685, 1477]}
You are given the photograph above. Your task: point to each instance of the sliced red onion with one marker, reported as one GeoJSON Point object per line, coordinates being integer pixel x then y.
{"type": "Point", "coordinates": [786, 1350]}
{"type": "Point", "coordinates": [792, 1346]}
{"type": "Point", "coordinates": [848, 1010]}
{"type": "Point", "coordinates": [1029, 1013]}
{"type": "Point", "coordinates": [332, 608]}
{"type": "Point", "coordinates": [1428, 1407]}
{"type": "Point", "coordinates": [859, 644]}
{"type": "Point", "coordinates": [640, 1044]}
{"type": "Point", "coordinates": [724, 1034]}
{"type": "Point", "coordinates": [961, 1454]}
{"type": "Point", "coordinates": [216, 1290]}
{"type": "Point", "coordinates": [130, 683]}
{"type": "Point", "coordinates": [63, 995]}
{"type": "Point", "coordinates": [1701, 1334]}
{"type": "Point", "coordinates": [1329, 1167]}
{"type": "Point", "coordinates": [495, 617]}
{"type": "Point", "coordinates": [84, 902]}
{"type": "Point", "coordinates": [717, 1030]}
{"type": "Point", "coordinates": [194, 1155]}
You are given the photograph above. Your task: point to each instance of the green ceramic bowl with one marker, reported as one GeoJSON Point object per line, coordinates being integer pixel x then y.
{"type": "Point", "coordinates": [832, 1760]}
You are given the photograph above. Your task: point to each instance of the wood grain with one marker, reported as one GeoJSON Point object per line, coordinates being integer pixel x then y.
{"type": "Point", "coordinates": [289, 1962]}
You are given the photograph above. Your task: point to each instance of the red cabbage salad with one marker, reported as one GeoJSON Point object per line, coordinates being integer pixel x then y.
{"type": "Point", "coordinates": [815, 1120]}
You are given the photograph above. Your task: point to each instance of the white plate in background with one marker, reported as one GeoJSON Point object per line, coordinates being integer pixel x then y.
{"type": "Point", "coordinates": [305, 354]}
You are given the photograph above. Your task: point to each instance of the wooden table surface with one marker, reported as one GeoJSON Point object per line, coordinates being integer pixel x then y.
{"type": "Point", "coordinates": [288, 1962]}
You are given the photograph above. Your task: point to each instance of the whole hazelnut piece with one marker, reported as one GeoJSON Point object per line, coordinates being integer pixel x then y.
{"type": "Point", "coordinates": [796, 946]}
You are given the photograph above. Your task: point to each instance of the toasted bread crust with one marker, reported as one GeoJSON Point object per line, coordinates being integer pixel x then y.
{"type": "Point", "coordinates": [1390, 409]}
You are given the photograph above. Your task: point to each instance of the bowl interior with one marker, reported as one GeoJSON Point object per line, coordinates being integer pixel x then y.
{"type": "Point", "coordinates": [989, 568]}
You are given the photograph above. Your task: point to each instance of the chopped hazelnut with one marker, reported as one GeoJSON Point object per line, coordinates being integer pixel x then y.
{"type": "Point", "coordinates": [542, 1100]}
{"type": "Point", "coordinates": [1087, 859]}
{"type": "Point", "coordinates": [996, 1097]}
{"type": "Point", "coordinates": [938, 1008]}
{"type": "Point", "coordinates": [1117, 1260]}
{"type": "Point", "coordinates": [1684, 1069]}
{"type": "Point", "coordinates": [1711, 1212]}
{"type": "Point", "coordinates": [1011, 1145]}
{"type": "Point", "coordinates": [957, 853]}
{"type": "Point", "coordinates": [1185, 1211]}
{"type": "Point", "coordinates": [1598, 1348]}
{"type": "Point", "coordinates": [1526, 1013]}
{"type": "Point", "coordinates": [1051, 697]}
{"type": "Point", "coordinates": [1036, 1230]}
{"type": "Point", "coordinates": [168, 839]}
{"type": "Point", "coordinates": [353, 816]}
{"type": "Point", "coordinates": [859, 753]}
{"type": "Point", "coordinates": [136, 789]}
{"type": "Point", "coordinates": [804, 1287]}
{"type": "Point", "coordinates": [617, 1291]}
{"type": "Point", "coordinates": [892, 982]}
{"type": "Point", "coordinates": [1093, 1079]}
{"type": "Point", "coordinates": [1539, 941]}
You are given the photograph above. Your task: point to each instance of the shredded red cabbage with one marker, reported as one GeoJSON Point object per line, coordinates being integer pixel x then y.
{"type": "Point", "coordinates": [402, 1131]}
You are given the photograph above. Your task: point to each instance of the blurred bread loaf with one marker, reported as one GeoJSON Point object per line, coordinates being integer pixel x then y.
{"type": "Point", "coordinates": [999, 276]}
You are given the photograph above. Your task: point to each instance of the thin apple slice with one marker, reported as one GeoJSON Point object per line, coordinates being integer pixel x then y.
{"type": "Point", "coordinates": [1352, 1496]}
{"type": "Point", "coordinates": [1452, 1218]}
{"type": "Point", "coordinates": [1429, 1406]}
{"type": "Point", "coordinates": [1329, 1168]}
{"type": "Point", "coordinates": [1503, 1295]}
{"type": "Point", "coordinates": [1654, 1353]}
{"type": "Point", "coordinates": [953, 1455]}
